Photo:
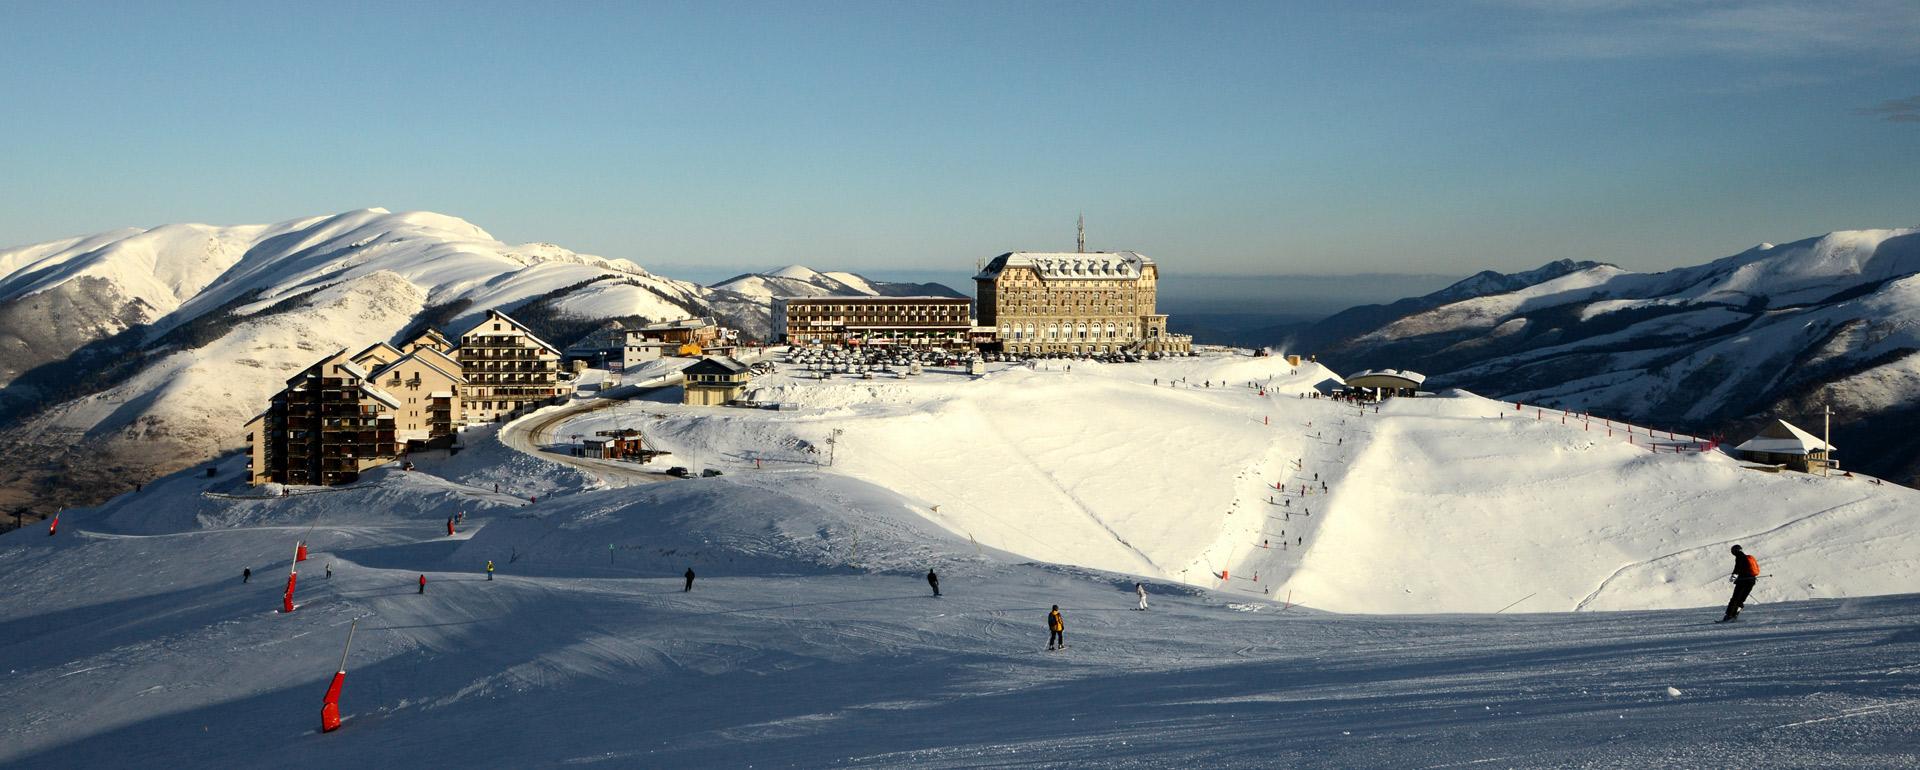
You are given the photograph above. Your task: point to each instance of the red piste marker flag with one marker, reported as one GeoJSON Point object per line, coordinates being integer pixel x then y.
{"type": "Point", "coordinates": [293, 576]}
{"type": "Point", "coordinates": [330, 710]}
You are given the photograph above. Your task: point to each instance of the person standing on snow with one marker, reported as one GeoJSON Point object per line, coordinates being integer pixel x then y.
{"type": "Point", "coordinates": [689, 581]}
{"type": "Point", "coordinates": [246, 574]}
{"type": "Point", "coordinates": [1056, 630]}
{"type": "Point", "coordinates": [1141, 589]}
{"type": "Point", "coordinates": [489, 569]}
{"type": "Point", "coordinates": [423, 584]}
{"type": "Point", "coordinates": [933, 580]}
{"type": "Point", "coordinates": [1746, 571]}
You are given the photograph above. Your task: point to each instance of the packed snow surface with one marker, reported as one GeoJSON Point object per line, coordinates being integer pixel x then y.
{"type": "Point", "coordinates": [810, 637]}
{"type": "Point", "coordinates": [1433, 504]}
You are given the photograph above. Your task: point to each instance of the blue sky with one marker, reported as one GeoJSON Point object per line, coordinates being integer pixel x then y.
{"type": "Point", "coordinates": [1220, 138]}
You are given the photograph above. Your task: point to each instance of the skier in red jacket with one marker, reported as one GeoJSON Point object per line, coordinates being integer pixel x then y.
{"type": "Point", "coordinates": [1746, 570]}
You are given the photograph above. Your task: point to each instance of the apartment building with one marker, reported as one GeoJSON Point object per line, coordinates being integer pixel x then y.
{"type": "Point", "coordinates": [506, 367]}
{"type": "Point", "coordinates": [877, 321]}
{"type": "Point", "coordinates": [328, 425]}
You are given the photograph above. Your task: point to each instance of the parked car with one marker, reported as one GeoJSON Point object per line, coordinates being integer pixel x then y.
{"type": "Point", "coordinates": [679, 472]}
{"type": "Point", "coordinates": [709, 473]}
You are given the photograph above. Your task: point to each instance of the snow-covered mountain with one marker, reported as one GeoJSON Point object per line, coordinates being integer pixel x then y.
{"type": "Point", "coordinates": [139, 351]}
{"type": "Point", "coordinates": [1769, 332]}
{"type": "Point", "coordinates": [800, 281]}
{"type": "Point", "coordinates": [1353, 321]}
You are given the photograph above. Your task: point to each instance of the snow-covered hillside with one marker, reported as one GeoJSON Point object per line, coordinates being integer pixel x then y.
{"type": "Point", "coordinates": [810, 637]}
{"type": "Point", "coordinates": [1770, 332]}
{"type": "Point", "coordinates": [1443, 504]}
{"type": "Point", "coordinates": [141, 351]}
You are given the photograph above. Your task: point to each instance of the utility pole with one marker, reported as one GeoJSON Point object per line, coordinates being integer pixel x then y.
{"type": "Point", "coordinates": [833, 441]}
{"type": "Point", "coordinates": [1826, 437]}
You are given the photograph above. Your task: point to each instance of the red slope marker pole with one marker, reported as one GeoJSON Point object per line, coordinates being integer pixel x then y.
{"type": "Point", "coordinates": [293, 577]}
{"type": "Point", "coordinates": [330, 709]}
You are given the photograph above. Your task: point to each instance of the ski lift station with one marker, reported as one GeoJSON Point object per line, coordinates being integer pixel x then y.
{"type": "Point", "coordinates": [1387, 383]}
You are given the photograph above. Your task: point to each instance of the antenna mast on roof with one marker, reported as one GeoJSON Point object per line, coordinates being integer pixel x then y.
{"type": "Point", "coordinates": [1080, 237]}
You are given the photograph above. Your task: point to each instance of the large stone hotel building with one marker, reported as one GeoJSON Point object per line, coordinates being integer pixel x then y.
{"type": "Point", "coordinates": [1075, 302]}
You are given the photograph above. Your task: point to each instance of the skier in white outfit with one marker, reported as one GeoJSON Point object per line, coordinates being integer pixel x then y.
{"type": "Point", "coordinates": [1141, 589]}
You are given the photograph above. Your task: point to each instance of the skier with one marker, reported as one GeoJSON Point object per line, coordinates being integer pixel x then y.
{"type": "Point", "coordinates": [1056, 630]}
{"type": "Point", "coordinates": [246, 575]}
{"type": "Point", "coordinates": [689, 581]}
{"type": "Point", "coordinates": [489, 569]}
{"type": "Point", "coordinates": [449, 526]}
{"type": "Point", "coordinates": [1746, 570]}
{"type": "Point", "coordinates": [423, 584]}
{"type": "Point", "coordinates": [1141, 590]}
{"type": "Point", "coordinates": [933, 580]}
{"type": "Point", "coordinates": [329, 570]}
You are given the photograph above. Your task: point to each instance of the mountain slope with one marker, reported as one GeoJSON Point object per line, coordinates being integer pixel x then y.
{"type": "Point", "coordinates": [1715, 347]}
{"type": "Point", "coordinates": [799, 281]}
{"type": "Point", "coordinates": [1346, 324]}
{"type": "Point", "coordinates": [138, 352]}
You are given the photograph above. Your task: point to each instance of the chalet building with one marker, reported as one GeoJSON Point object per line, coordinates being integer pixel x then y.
{"type": "Point", "coordinates": [1077, 303]}
{"type": "Point", "coordinates": [327, 426]}
{"type": "Point", "coordinates": [618, 345]}
{"type": "Point", "coordinates": [877, 321]}
{"type": "Point", "coordinates": [427, 384]}
{"type": "Point", "coordinates": [506, 367]}
{"type": "Point", "coordinates": [429, 339]}
{"type": "Point", "coordinates": [715, 381]}
{"type": "Point", "coordinates": [375, 356]}
{"type": "Point", "coordinates": [1783, 443]}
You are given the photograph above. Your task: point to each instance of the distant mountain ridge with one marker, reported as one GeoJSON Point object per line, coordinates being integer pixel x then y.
{"type": "Point", "coordinates": [1352, 322]}
{"type": "Point", "coordinates": [1771, 332]}
{"type": "Point", "coordinates": [801, 281]}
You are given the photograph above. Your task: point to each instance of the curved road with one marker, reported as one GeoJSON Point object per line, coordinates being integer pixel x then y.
{"type": "Point", "coordinates": [532, 433]}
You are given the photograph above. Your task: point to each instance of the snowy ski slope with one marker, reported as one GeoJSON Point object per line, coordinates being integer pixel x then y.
{"type": "Point", "coordinates": [810, 638]}
{"type": "Point", "coordinates": [1443, 504]}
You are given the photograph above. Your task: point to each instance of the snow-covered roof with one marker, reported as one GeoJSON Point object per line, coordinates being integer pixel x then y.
{"type": "Point", "coordinates": [425, 357]}
{"type": "Point", "coordinates": [353, 369]}
{"type": "Point", "coordinates": [378, 347]}
{"type": "Point", "coordinates": [517, 326]}
{"type": "Point", "coordinates": [1784, 438]}
{"type": "Point", "coordinates": [724, 364]}
{"type": "Point", "coordinates": [1393, 378]}
{"type": "Point", "coordinates": [1076, 265]}
{"type": "Point", "coordinates": [684, 323]}
{"type": "Point", "coordinates": [381, 396]}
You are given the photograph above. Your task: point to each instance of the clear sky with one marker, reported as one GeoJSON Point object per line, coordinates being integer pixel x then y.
{"type": "Point", "coordinates": [1226, 138]}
